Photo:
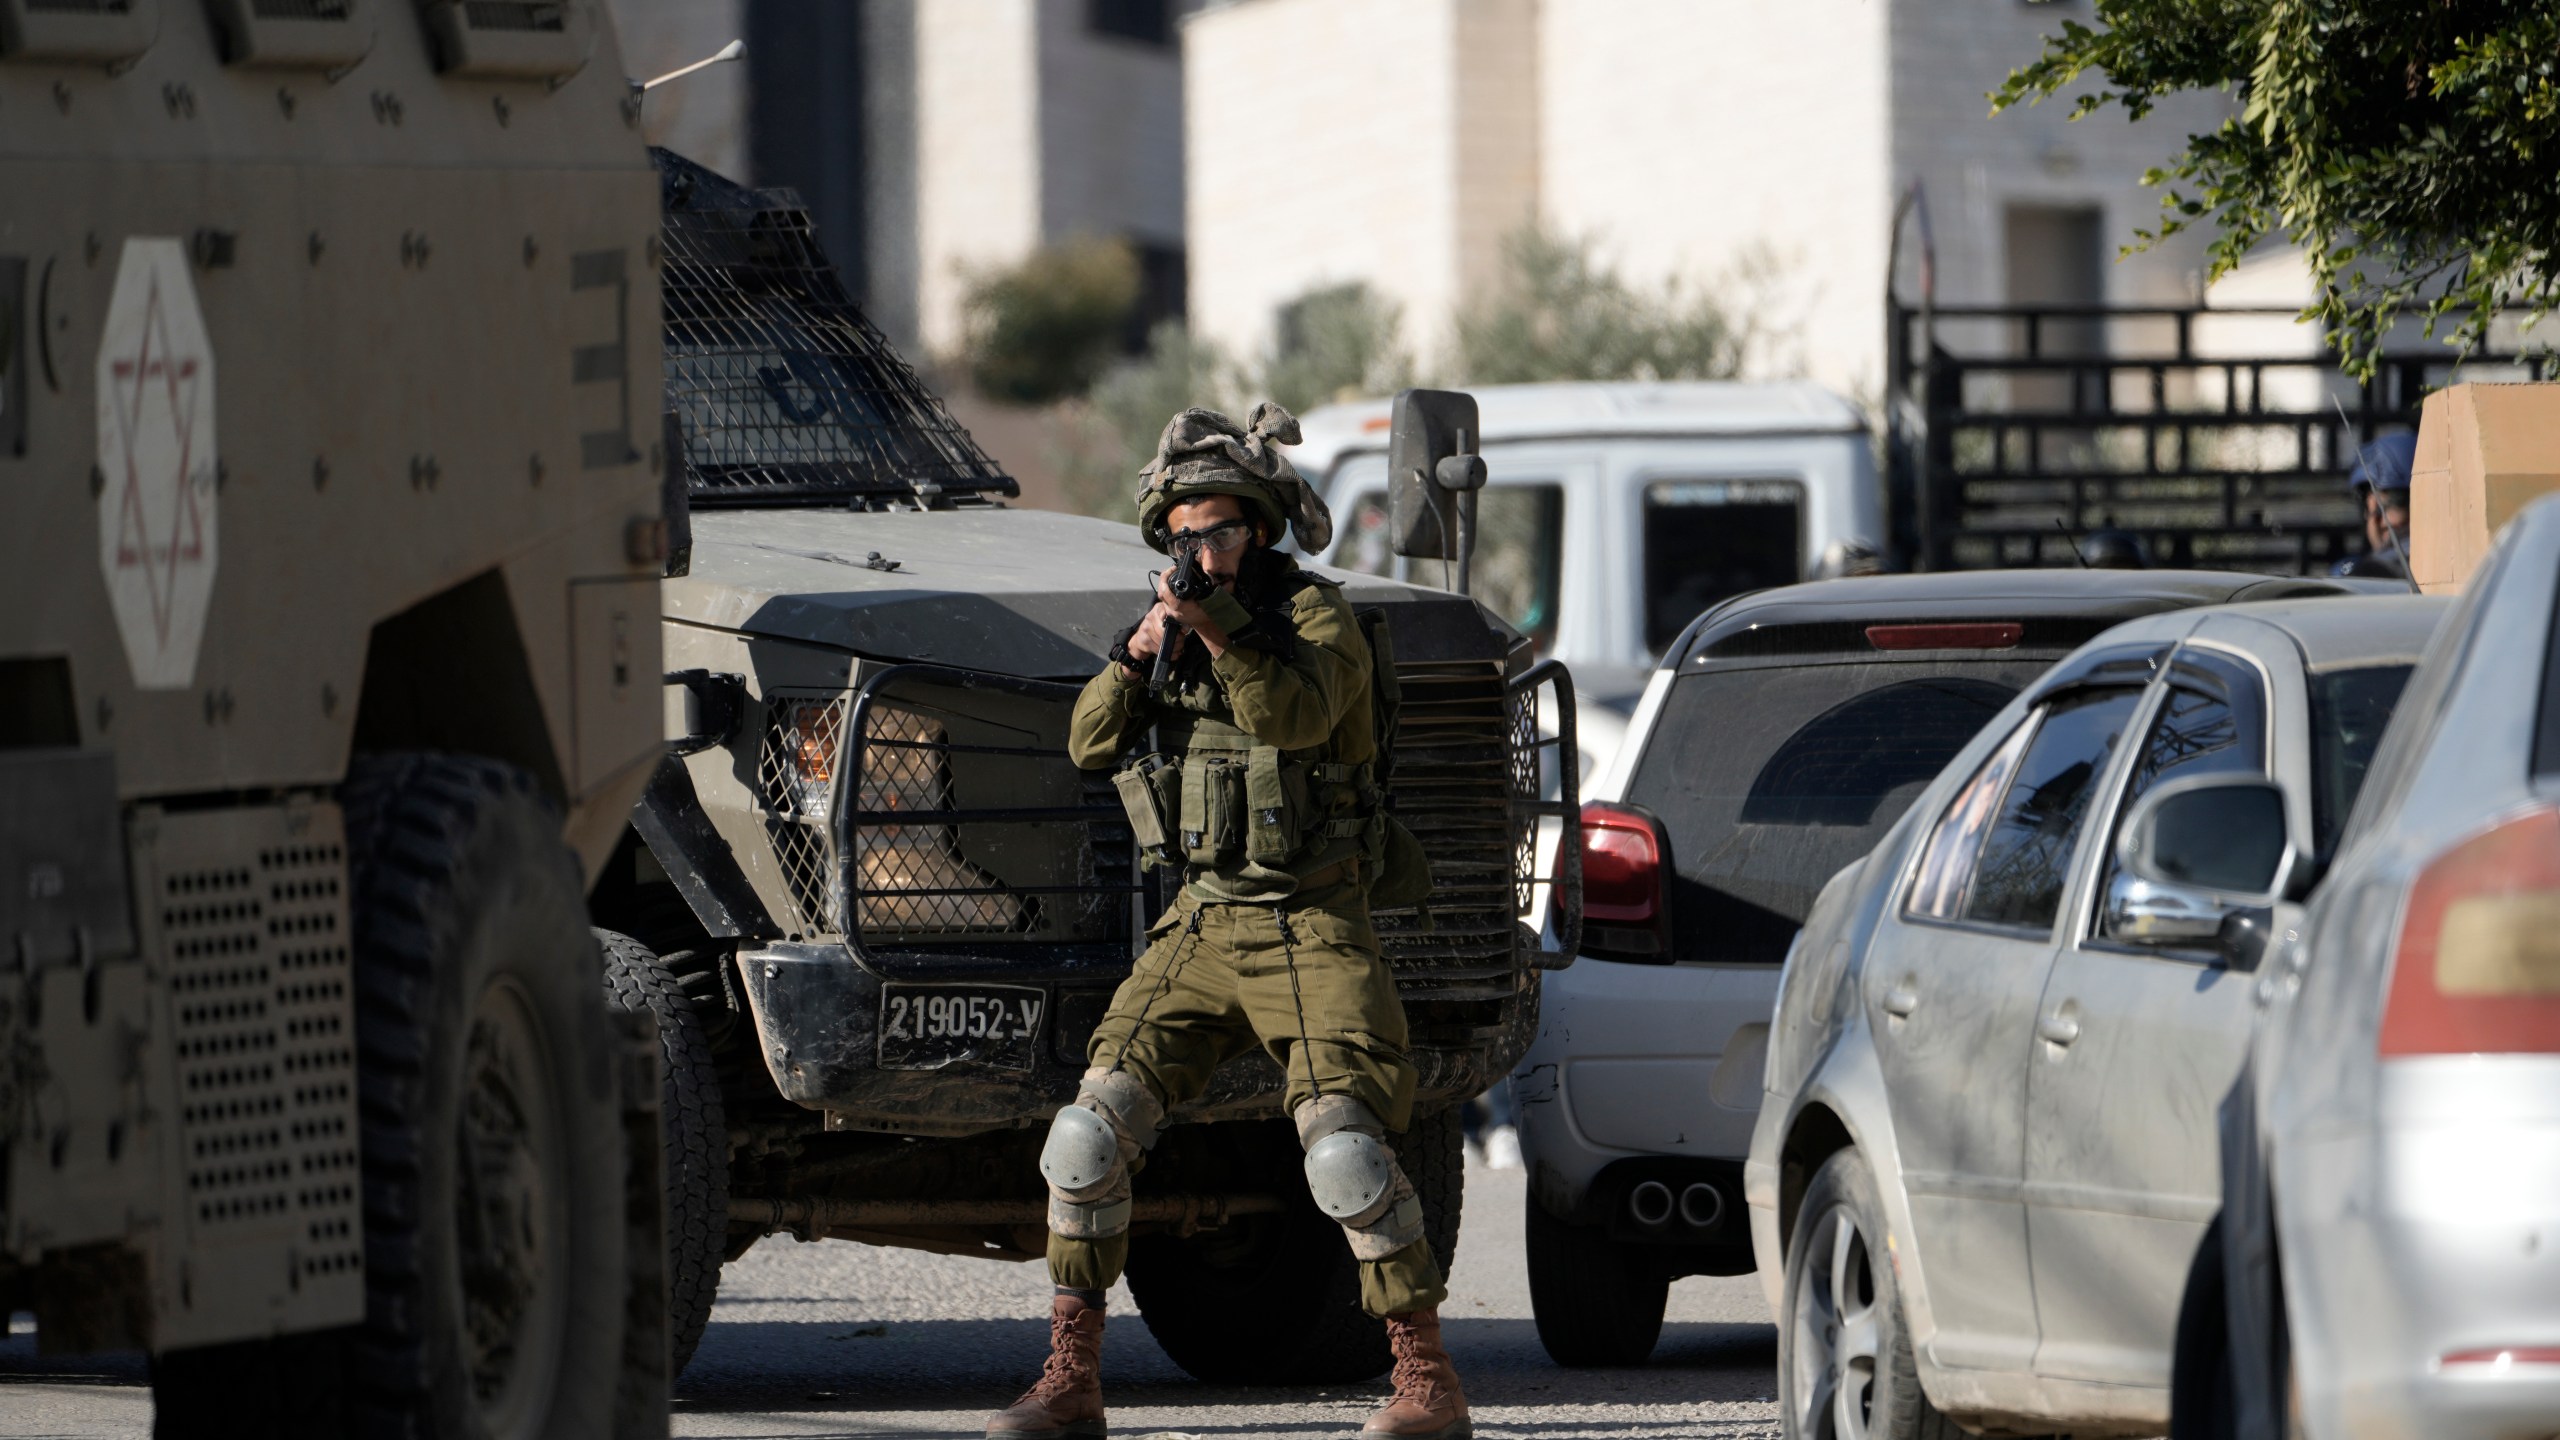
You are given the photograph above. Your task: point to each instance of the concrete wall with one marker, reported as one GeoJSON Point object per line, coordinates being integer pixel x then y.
{"type": "Point", "coordinates": [1946, 58]}
{"type": "Point", "coordinates": [977, 89]}
{"type": "Point", "coordinates": [1682, 135]}
{"type": "Point", "coordinates": [1385, 141]}
{"type": "Point", "coordinates": [1110, 131]}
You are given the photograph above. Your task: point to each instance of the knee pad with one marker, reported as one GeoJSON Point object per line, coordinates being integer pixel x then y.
{"type": "Point", "coordinates": [1354, 1177]}
{"type": "Point", "coordinates": [1092, 1146]}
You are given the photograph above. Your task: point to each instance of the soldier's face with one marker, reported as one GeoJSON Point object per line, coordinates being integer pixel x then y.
{"type": "Point", "coordinates": [1198, 522]}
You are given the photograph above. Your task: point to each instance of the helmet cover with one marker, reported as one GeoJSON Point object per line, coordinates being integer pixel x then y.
{"type": "Point", "coordinates": [1203, 452]}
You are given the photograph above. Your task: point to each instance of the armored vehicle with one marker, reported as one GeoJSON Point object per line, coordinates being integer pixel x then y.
{"type": "Point", "coordinates": [893, 911]}
{"type": "Point", "coordinates": [330, 538]}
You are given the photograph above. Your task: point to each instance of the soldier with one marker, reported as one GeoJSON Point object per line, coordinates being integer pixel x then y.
{"type": "Point", "coordinates": [1265, 793]}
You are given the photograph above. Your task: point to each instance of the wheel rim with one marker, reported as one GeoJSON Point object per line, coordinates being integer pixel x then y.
{"type": "Point", "coordinates": [1835, 1326]}
{"type": "Point", "coordinates": [510, 1220]}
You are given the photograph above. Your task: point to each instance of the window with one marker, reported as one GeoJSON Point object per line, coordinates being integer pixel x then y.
{"type": "Point", "coordinates": [2026, 859]}
{"type": "Point", "coordinates": [1149, 22]}
{"type": "Point", "coordinates": [1946, 867]}
{"type": "Point", "coordinates": [2006, 863]}
{"type": "Point", "coordinates": [1707, 540]}
{"type": "Point", "coordinates": [1519, 555]}
{"type": "Point", "coordinates": [2194, 734]}
{"type": "Point", "coordinates": [1769, 779]}
{"type": "Point", "coordinates": [2349, 711]}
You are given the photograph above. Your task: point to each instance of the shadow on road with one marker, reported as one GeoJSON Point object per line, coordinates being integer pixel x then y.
{"type": "Point", "coordinates": [932, 1365]}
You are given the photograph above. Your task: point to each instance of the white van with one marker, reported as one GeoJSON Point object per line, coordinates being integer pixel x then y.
{"type": "Point", "coordinates": [1615, 513]}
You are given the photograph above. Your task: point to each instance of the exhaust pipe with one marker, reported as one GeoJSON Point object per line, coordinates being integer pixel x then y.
{"type": "Point", "coordinates": [1701, 1206]}
{"type": "Point", "coordinates": [1651, 1204]}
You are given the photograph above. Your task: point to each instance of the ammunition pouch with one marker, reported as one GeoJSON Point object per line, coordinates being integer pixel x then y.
{"type": "Point", "coordinates": [1218, 805]}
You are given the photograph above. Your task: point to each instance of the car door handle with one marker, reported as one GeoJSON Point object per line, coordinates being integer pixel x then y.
{"type": "Point", "coordinates": [1901, 1000]}
{"type": "Point", "coordinates": [2058, 1028]}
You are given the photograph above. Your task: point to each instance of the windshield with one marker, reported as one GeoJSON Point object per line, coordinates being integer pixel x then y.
{"type": "Point", "coordinates": [1768, 780]}
{"type": "Point", "coordinates": [2349, 711]}
{"type": "Point", "coordinates": [1705, 540]}
{"type": "Point", "coordinates": [1518, 564]}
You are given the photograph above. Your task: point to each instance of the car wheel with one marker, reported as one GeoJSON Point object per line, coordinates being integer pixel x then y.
{"type": "Point", "coordinates": [2200, 1389]}
{"type": "Point", "coordinates": [1597, 1302]}
{"type": "Point", "coordinates": [696, 1136]}
{"type": "Point", "coordinates": [1845, 1369]}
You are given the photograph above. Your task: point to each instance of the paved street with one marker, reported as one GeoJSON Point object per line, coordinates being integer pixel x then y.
{"type": "Point", "coordinates": [838, 1340]}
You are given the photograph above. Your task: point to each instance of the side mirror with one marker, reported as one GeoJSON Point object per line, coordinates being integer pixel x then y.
{"type": "Point", "coordinates": [1433, 474]}
{"type": "Point", "coordinates": [2200, 860]}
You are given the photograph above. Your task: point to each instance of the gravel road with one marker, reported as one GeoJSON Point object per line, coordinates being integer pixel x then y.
{"type": "Point", "coordinates": [836, 1341]}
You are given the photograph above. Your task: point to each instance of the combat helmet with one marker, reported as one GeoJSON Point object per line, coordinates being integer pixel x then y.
{"type": "Point", "coordinates": [1203, 452]}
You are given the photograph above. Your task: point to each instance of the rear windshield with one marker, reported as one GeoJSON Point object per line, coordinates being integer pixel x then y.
{"type": "Point", "coordinates": [2349, 711]}
{"type": "Point", "coordinates": [1706, 540]}
{"type": "Point", "coordinates": [1768, 780]}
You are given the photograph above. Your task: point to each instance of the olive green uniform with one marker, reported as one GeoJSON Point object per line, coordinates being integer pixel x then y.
{"type": "Point", "coordinates": [1270, 942]}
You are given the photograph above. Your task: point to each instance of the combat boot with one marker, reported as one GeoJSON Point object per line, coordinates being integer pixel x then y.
{"type": "Point", "coordinates": [1428, 1404]}
{"type": "Point", "coordinates": [1066, 1404]}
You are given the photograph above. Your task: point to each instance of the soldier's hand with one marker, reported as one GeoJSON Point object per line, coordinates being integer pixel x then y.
{"type": "Point", "coordinates": [1149, 637]}
{"type": "Point", "coordinates": [1190, 616]}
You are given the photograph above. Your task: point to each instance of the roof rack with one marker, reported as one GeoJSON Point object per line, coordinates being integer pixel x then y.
{"type": "Point", "coordinates": [787, 394]}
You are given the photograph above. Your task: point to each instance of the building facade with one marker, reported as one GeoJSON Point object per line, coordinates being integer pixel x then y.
{"type": "Point", "coordinates": [1396, 141]}
{"type": "Point", "coordinates": [934, 141]}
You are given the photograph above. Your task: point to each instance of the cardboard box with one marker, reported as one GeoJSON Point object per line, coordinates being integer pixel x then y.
{"type": "Point", "coordinates": [2484, 452]}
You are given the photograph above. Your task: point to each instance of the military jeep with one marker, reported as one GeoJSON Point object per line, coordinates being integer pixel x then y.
{"type": "Point", "coordinates": [887, 909]}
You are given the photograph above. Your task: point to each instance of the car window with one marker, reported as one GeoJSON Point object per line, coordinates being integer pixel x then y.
{"type": "Point", "coordinates": [1366, 546]}
{"type": "Point", "coordinates": [2026, 858]}
{"type": "Point", "coordinates": [2193, 734]}
{"type": "Point", "coordinates": [1707, 540]}
{"type": "Point", "coordinates": [2350, 709]}
{"type": "Point", "coordinates": [1518, 565]}
{"type": "Point", "coordinates": [1768, 779]}
{"type": "Point", "coordinates": [1946, 866]}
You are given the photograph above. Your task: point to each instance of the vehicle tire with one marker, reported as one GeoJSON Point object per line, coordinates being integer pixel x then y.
{"type": "Point", "coordinates": [1275, 1299]}
{"type": "Point", "coordinates": [488, 1083]}
{"type": "Point", "coordinates": [2201, 1396]}
{"type": "Point", "coordinates": [491, 1140]}
{"type": "Point", "coordinates": [696, 1136]}
{"type": "Point", "coordinates": [1843, 1345]}
{"type": "Point", "coordinates": [1597, 1302]}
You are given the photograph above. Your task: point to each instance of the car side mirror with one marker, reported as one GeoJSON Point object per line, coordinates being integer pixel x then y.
{"type": "Point", "coordinates": [1433, 474]}
{"type": "Point", "coordinates": [2200, 861]}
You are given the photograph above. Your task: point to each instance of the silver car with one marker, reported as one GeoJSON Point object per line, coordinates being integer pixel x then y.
{"type": "Point", "coordinates": [2389, 1256]}
{"type": "Point", "coordinates": [1988, 1148]}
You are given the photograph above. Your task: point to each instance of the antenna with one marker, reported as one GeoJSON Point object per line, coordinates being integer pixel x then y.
{"type": "Point", "coordinates": [2071, 540]}
{"type": "Point", "coordinates": [734, 50]}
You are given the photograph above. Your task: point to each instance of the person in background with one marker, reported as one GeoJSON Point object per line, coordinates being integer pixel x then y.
{"type": "Point", "coordinates": [2379, 482]}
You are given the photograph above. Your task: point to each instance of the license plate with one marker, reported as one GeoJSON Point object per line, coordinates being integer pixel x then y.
{"type": "Point", "coordinates": [925, 1027]}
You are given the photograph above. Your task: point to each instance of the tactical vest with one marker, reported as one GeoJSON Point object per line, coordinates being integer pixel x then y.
{"type": "Point", "coordinates": [1219, 798]}
{"type": "Point", "coordinates": [1220, 803]}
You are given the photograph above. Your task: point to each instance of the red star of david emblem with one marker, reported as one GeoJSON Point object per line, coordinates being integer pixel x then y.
{"type": "Point", "coordinates": [155, 377]}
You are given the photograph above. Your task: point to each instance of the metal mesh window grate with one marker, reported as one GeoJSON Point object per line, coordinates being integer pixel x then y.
{"type": "Point", "coordinates": [1458, 763]}
{"type": "Point", "coordinates": [912, 879]}
{"type": "Point", "coordinates": [803, 743]}
{"type": "Point", "coordinates": [907, 879]}
{"type": "Point", "coordinates": [786, 392]}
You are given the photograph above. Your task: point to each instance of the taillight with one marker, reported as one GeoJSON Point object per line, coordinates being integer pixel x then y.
{"type": "Point", "coordinates": [1622, 891]}
{"type": "Point", "coordinates": [1970, 635]}
{"type": "Point", "coordinates": [2478, 968]}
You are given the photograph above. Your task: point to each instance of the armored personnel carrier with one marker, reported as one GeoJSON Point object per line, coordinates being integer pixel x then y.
{"type": "Point", "coordinates": [886, 912]}
{"type": "Point", "coordinates": [330, 538]}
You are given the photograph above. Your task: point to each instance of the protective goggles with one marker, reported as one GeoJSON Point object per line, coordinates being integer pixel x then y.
{"type": "Point", "coordinates": [1220, 538]}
